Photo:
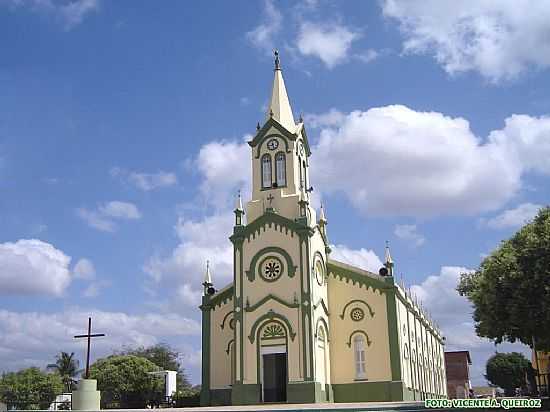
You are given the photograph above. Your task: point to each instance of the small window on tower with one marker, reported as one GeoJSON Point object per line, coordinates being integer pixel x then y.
{"type": "Point", "coordinates": [280, 169]}
{"type": "Point", "coordinates": [266, 171]}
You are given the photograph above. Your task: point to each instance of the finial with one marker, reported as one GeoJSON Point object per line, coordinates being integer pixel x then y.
{"type": "Point", "coordinates": [277, 61]}
{"type": "Point", "coordinates": [258, 126]}
{"type": "Point", "coordinates": [301, 119]}
{"type": "Point", "coordinates": [388, 258]}
{"type": "Point", "coordinates": [322, 218]}
{"type": "Point", "coordinates": [270, 112]}
{"type": "Point", "coordinates": [239, 203]}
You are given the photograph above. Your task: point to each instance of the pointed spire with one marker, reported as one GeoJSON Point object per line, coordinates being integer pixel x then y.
{"type": "Point", "coordinates": [207, 275]}
{"type": "Point", "coordinates": [322, 218]}
{"type": "Point", "coordinates": [279, 107]}
{"type": "Point", "coordinates": [387, 255]}
{"type": "Point", "coordinates": [239, 202]}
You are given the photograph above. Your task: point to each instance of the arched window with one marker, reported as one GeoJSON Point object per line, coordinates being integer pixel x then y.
{"type": "Point", "coordinates": [280, 169]}
{"type": "Point", "coordinates": [305, 174]}
{"type": "Point", "coordinates": [302, 184]}
{"type": "Point", "coordinates": [266, 171]}
{"type": "Point", "coordinates": [359, 350]}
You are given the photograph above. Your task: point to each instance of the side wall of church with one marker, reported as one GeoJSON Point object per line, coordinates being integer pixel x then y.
{"type": "Point", "coordinates": [221, 353]}
{"type": "Point", "coordinates": [345, 296]}
{"type": "Point", "coordinates": [421, 352]}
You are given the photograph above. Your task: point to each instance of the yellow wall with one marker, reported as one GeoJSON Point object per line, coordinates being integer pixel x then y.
{"type": "Point", "coordinates": [376, 327]}
{"type": "Point", "coordinates": [220, 363]}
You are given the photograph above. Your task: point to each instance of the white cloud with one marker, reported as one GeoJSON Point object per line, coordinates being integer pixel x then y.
{"type": "Point", "coordinates": [103, 218]}
{"type": "Point", "coordinates": [263, 35]}
{"type": "Point", "coordinates": [331, 118]}
{"type": "Point", "coordinates": [84, 269]}
{"type": "Point", "coordinates": [32, 267]}
{"type": "Point", "coordinates": [361, 258]}
{"type": "Point", "coordinates": [513, 218]}
{"type": "Point", "coordinates": [69, 13]}
{"type": "Point", "coordinates": [146, 181]}
{"type": "Point", "coordinates": [330, 43]}
{"type": "Point", "coordinates": [93, 289]}
{"type": "Point", "coordinates": [500, 39]}
{"type": "Point", "coordinates": [120, 210]}
{"type": "Point", "coordinates": [199, 241]}
{"type": "Point", "coordinates": [33, 339]}
{"type": "Point", "coordinates": [453, 313]}
{"type": "Point", "coordinates": [368, 55]}
{"type": "Point", "coordinates": [409, 233]}
{"type": "Point", "coordinates": [226, 168]}
{"type": "Point", "coordinates": [393, 160]}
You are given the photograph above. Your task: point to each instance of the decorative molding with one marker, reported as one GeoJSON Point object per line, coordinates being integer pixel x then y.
{"type": "Point", "coordinates": [271, 296]}
{"type": "Point", "coordinates": [228, 349]}
{"type": "Point", "coordinates": [321, 302]}
{"type": "Point", "coordinates": [222, 325]}
{"type": "Point", "coordinates": [343, 314]}
{"type": "Point", "coordinates": [354, 275]}
{"type": "Point", "coordinates": [325, 324]}
{"type": "Point", "coordinates": [362, 332]}
{"type": "Point", "coordinates": [222, 297]}
{"type": "Point", "coordinates": [271, 315]}
{"type": "Point", "coordinates": [251, 272]}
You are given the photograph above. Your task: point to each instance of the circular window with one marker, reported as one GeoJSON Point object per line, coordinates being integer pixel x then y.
{"type": "Point", "coordinates": [319, 272]}
{"type": "Point", "coordinates": [271, 268]}
{"type": "Point", "coordinates": [357, 314]}
{"type": "Point", "coordinates": [272, 144]}
{"type": "Point", "coordinates": [232, 324]}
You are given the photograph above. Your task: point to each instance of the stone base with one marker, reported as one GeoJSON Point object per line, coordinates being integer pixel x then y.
{"type": "Point", "coordinates": [86, 397]}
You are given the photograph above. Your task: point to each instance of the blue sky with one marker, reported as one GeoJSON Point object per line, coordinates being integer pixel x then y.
{"type": "Point", "coordinates": [122, 144]}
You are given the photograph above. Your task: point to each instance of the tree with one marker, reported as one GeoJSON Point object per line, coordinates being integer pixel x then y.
{"type": "Point", "coordinates": [67, 367]}
{"type": "Point", "coordinates": [507, 370]}
{"type": "Point", "coordinates": [125, 381]}
{"type": "Point", "coordinates": [165, 358]}
{"type": "Point", "coordinates": [510, 291]}
{"type": "Point", "coordinates": [30, 388]}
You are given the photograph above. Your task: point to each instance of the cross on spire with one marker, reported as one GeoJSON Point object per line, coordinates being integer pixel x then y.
{"type": "Point", "coordinates": [89, 335]}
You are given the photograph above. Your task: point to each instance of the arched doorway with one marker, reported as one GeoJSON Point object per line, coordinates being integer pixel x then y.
{"type": "Point", "coordinates": [273, 361]}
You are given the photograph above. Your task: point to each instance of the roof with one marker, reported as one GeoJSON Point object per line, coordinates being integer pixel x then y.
{"type": "Point", "coordinates": [458, 352]}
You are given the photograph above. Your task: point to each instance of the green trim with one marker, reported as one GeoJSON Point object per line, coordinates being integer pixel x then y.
{"type": "Point", "coordinates": [325, 324]}
{"type": "Point", "coordinates": [321, 302]}
{"type": "Point", "coordinates": [343, 314]}
{"type": "Point", "coordinates": [245, 394]}
{"type": "Point", "coordinates": [205, 336]}
{"type": "Point", "coordinates": [227, 350]}
{"type": "Point", "coordinates": [356, 275]}
{"type": "Point", "coordinates": [251, 272]}
{"type": "Point", "coordinates": [220, 397]}
{"type": "Point", "coordinates": [271, 315]}
{"type": "Point", "coordinates": [370, 392]}
{"type": "Point", "coordinates": [262, 136]}
{"type": "Point", "coordinates": [222, 297]}
{"type": "Point", "coordinates": [269, 219]}
{"type": "Point", "coordinates": [308, 392]}
{"type": "Point", "coordinates": [417, 314]}
{"type": "Point", "coordinates": [393, 334]}
{"type": "Point", "coordinates": [252, 308]}
{"type": "Point", "coordinates": [362, 332]}
{"type": "Point", "coordinates": [222, 325]}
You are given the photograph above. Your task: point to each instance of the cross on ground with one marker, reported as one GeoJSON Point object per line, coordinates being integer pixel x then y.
{"type": "Point", "coordinates": [89, 335]}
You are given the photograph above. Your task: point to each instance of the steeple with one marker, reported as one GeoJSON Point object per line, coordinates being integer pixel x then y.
{"type": "Point", "coordinates": [388, 260]}
{"type": "Point", "coordinates": [207, 275]}
{"type": "Point", "coordinates": [279, 107]}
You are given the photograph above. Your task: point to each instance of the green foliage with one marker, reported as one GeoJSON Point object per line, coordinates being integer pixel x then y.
{"type": "Point", "coordinates": [507, 370]}
{"type": "Point", "coordinates": [510, 290]}
{"type": "Point", "coordinates": [30, 388]}
{"type": "Point", "coordinates": [124, 381]}
{"type": "Point", "coordinates": [67, 367]}
{"type": "Point", "coordinates": [164, 357]}
{"type": "Point", "coordinates": [186, 397]}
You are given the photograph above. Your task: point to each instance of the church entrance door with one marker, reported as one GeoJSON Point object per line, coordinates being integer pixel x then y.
{"type": "Point", "coordinates": [274, 375]}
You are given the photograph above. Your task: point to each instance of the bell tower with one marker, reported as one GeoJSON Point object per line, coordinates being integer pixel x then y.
{"type": "Point", "coordinates": [280, 296]}
{"type": "Point", "coordinates": [280, 160]}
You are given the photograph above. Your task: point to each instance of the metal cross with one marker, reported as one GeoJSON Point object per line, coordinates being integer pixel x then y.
{"type": "Point", "coordinates": [270, 198]}
{"type": "Point", "coordinates": [89, 335]}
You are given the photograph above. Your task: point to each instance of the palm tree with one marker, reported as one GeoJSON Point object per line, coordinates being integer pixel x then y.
{"type": "Point", "coordinates": [67, 367]}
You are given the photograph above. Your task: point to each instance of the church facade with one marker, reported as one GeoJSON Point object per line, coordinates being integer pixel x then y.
{"type": "Point", "coordinates": [295, 325]}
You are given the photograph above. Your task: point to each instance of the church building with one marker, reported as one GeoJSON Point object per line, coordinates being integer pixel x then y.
{"type": "Point", "coordinates": [296, 326]}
